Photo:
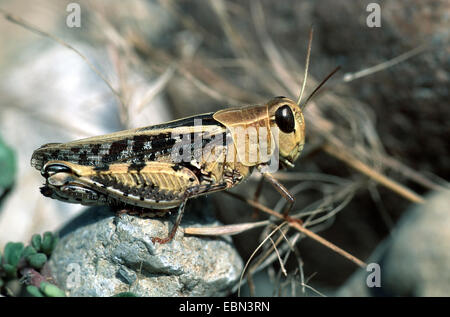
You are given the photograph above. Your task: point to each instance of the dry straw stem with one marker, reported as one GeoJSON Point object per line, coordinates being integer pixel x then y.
{"type": "Point", "coordinates": [281, 71]}
{"type": "Point", "coordinates": [342, 196]}
{"type": "Point", "coordinates": [283, 269]}
{"type": "Point", "coordinates": [302, 229]}
{"type": "Point", "coordinates": [346, 157]}
{"type": "Point", "coordinates": [197, 74]}
{"type": "Point", "coordinates": [338, 149]}
{"type": "Point", "coordinates": [224, 230]}
{"type": "Point", "coordinates": [268, 256]}
{"type": "Point", "coordinates": [265, 259]}
{"type": "Point", "coordinates": [283, 74]}
{"type": "Point", "coordinates": [19, 21]}
{"type": "Point", "coordinates": [412, 174]}
{"type": "Point", "coordinates": [255, 251]}
{"type": "Point", "coordinates": [383, 66]}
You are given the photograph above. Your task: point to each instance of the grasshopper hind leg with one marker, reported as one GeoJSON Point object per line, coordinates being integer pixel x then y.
{"type": "Point", "coordinates": [174, 228]}
{"type": "Point", "coordinates": [190, 192]}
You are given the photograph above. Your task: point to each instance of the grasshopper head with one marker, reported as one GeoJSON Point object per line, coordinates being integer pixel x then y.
{"type": "Point", "coordinates": [287, 116]}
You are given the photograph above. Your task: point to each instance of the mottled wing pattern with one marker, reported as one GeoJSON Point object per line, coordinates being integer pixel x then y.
{"type": "Point", "coordinates": [136, 146]}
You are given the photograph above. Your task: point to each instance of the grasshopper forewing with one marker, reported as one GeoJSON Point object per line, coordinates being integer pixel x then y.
{"type": "Point", "coordinates": [160, 167]}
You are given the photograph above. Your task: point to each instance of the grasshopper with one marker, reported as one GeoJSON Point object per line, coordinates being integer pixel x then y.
{"type": "Point", "coordinates": [162, 166]}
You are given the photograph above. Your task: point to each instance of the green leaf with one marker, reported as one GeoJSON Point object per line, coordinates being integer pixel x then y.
{"type": "Point", "coordinates": [51, 290]}
{"type": "Point", "coordinates": [29, 250]}
{"type": "Point", "coordinates": [47, 243]}
{"type": "Point", "coordinates": [125, 294]}
{"type": "Point", "coordinates": [37, 260]}
{"type": "Point", "coordinates": [8, 166]}
{"type": "Point", "coordinates": [34, 291]}
{"type": "Point", "coordinates": [10, 270]}
{"type": "Point", "coordinates": [13, 252]}
{"type": "Point", "coordinates": [36, 241]}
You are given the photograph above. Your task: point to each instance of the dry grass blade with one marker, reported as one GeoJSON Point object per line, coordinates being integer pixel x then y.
{"type": "Point", "coordinates": [412, 174]}
{"type": "Point", "coordinates": [224, 230]}
{"type": "Point", "coordinates": [380, 178]}
{"type": "Point", "coordinates": [302, 229]}
{"type": "Point", "coordinates": [283, 269]}
{"type": "Point", "coordinates": [273, 54]}
{"type": "Point", "coordinates": [159, 85]}
{"type": "Point", "coordinates": [187, 21]}
{"type": "Point", "coordinates": [348, 196]}
{"type": "Point", "coordinates": [313, 289]}
{"type": "Point", "coordinates": [255, 251]}
{"type": "Point", "coordinates": [268, 256]}
{"type": "Point", "coordinates": [55, 120]}
{"type": "Point", "coordinates": [376, 197]}
{"type": "Point", "coordinates": [236, 41]}
{"type": "Point", "coordinates": [396, 60]}
{"type": "Point", "coordinates": [34, 29]}
{"type": "Point", "coordinates": [214, 94]}
{"type": "Point", "coordinates": [328, 244]}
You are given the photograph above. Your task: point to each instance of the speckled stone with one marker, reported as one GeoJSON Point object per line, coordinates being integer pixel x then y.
{"type": "Point", "coordinates": [101, 254]}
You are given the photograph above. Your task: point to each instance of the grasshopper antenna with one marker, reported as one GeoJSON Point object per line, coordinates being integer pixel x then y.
{"type": "Point", "coordinates": [308, 54]}
{"type": "Point", "coordinates": [306, 65]}
{"type": "Point", "coordinates": [319, 86]}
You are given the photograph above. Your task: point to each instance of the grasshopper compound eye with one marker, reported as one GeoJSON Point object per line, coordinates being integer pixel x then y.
{"type": "Point", "coordinates": [284, 118]}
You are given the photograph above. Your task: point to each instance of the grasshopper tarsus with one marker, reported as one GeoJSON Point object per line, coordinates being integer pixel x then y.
{"type": "Point", "coordinates": [161, 240]}
{"type": "Point", "coordinates": [174, 229]}
{"type": "Point", "coordinates": [168, 238]}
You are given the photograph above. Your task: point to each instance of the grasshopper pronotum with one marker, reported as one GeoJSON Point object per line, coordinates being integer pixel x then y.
{"type": "Point", "coordinates": [160, 167]}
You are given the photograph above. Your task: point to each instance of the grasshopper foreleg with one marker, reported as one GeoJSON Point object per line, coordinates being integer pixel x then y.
{"type": "Point", "coordinates": [283, 192]}
{"type": "Point", "coordinates": [174, 228]}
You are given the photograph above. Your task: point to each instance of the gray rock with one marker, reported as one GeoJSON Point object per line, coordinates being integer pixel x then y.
{"type": "Point", "coordinates": [415, 260]}
{"type": "Point", "coordinates": [101, 254]}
